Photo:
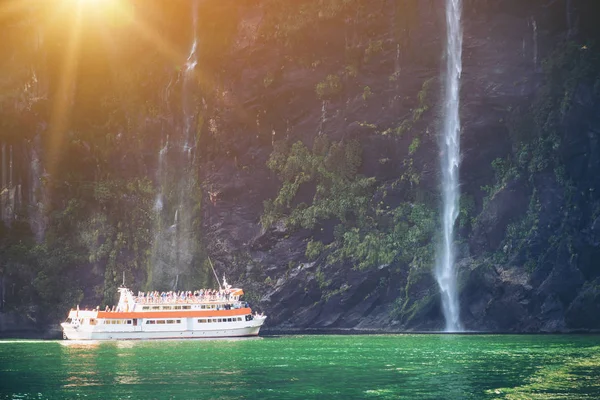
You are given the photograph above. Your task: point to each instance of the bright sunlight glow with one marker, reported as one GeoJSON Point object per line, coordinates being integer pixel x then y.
{"type": "Point", "coordinates": [93, 2]}
{"type": "Point", "coordinates": [100, 9]}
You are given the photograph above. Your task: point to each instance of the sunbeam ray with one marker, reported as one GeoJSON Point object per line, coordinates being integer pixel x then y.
{"type": "Point", "coordinates": [59, 120]}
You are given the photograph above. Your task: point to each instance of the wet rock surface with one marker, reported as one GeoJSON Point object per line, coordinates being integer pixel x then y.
{"type": "Point", "coordinates": [267, 93]}
{"type": "Point", "coordinates": [503, 52]}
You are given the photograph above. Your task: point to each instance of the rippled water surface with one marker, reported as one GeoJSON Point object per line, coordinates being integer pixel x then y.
{"type": "Point", "coordinates": [306, 367]}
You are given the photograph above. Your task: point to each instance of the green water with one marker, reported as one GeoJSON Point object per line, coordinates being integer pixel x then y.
{"type": "Point", "coordinates": [306, 367]}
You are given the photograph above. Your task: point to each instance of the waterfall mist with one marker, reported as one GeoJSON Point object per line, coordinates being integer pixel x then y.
{"type": "Point", "coordinates": [177, 199]}
{"type": "Point", "coordinates": [37, 192]}
{"type": "Point", "coordinates": [445, 271]}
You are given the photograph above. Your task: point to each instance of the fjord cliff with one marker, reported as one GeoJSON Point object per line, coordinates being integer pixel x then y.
{"type": "Point", "coordinates": [295, 144]}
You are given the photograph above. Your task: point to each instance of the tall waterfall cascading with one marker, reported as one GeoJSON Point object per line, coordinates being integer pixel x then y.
{"type": "Point", "coordinates": [4, 190]}
{"type": "Point", "coordinates": [22, 193]}
{"type": "Point", "coordinates": [535, 42]}
{"type": "Point", "coordinates": [37, 194]}
{"type": "Point", "coordinates": [11, 185]}
{"type": "Point", "coordinates": [8, 191]}
{"type": "Point", "coordinates": [445, 270]}
{"type": "Point", "coordinates": [161, 176]}
{"type": "Point", "coordinates": [323, 117]}
{"type": "Point", "coordinates": [175, 204]}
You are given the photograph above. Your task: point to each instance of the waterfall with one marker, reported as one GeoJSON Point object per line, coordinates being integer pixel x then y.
{"type": "Point", "coordinates": [176, 204]}
{"type": "Point", "coordinates": [37, 198]}
{"type": "Point", "coordinates": [22, 194]}
{"type": "Point", "coordinates": [3, 187]}
{"type": "Point", "coordinates": [188, 78]}
{"type": "Point", "coordinates": [535, 42]}
{"type": "Point", "coordinates": [185, 209]}
{"type": "Point", "coordinates": [323, 117]}
{"type": "Point", "coordinates": [445, 271]}
{"type": "Point", "coordinates": [397, 61]}
{"type": "Point", "coordinates": [11, 173]}
{"type": "Point", "coordinates": [8, 191]}
{"type": "Point", "coordinates": [161, 176]}
{"type": "Point", "coordinates": [572, 20]}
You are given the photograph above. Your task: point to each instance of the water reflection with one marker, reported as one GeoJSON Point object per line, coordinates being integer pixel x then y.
{"type": "Point", "coordinates": [445, 361]}
{"type": "Point", "coordinates": [79, 364]}
{"type": "Point", "coordinates": [79, 344]}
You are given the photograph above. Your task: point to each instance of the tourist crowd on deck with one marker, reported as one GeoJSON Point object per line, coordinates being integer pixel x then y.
{"type": "Point", "coordinates": [183, 296]}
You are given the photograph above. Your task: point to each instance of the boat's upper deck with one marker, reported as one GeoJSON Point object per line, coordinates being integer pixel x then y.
{"type": "Point", "coordinates": [196, 297]}
{"type": "Point", "coordinates": [171, 302]}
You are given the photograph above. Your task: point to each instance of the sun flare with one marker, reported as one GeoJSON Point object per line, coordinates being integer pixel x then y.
{"type": "Point", "coordinates": [94, 2]}
{"type": "Point", "coordinates": [101, 9]}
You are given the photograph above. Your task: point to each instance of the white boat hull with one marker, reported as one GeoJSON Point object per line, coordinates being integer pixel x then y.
{"type": "Point", "coordinates": [185, 315]}
{"type": "Point", "coordinates": [249, 328]}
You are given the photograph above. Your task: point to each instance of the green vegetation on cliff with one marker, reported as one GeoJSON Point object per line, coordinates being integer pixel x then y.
{"type": "Point", "coordinates": [366, 234]}
{"type": "Point", "coordinates": [543, 139]}
{"type": "Point", "coordinates": [360, 196]}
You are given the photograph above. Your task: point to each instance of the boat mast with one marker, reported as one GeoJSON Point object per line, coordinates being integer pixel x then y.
{"type": "Point", "coordinates": [214, 272]}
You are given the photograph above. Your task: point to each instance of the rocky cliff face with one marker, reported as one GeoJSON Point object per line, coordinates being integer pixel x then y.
{"type": "Point", "coordinates": [506, 47]}
{"type": "Point", "coordinates": [346, 237]}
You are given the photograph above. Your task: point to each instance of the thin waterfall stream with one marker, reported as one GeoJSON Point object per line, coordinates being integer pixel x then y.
{"type": "Point", "coordinates": [175, 205]}
{"type": "Point", "coordinates": [445, 271]}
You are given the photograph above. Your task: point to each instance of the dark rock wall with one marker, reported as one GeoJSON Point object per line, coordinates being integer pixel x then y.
{"type": "Point", "coordinates": [505, 45]}
{"type": "Point", "coordinates": [529, 242]}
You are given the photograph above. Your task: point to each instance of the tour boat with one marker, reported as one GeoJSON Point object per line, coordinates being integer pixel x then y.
{"type": "Point", "coordinates": [170, 315]}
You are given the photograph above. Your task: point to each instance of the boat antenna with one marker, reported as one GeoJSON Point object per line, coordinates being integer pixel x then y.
{"type": "Point", "coordinates": [213, 270]}
{"type": "Point", "coordinates": [123, 278]}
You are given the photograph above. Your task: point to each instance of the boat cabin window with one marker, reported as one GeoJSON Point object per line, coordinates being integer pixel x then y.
{"type": "Point", "coordinates": [203, 307]}
{"type": "Point", "coordinates": [146, 308]}
{"type": "Point", "coordinates": [93, 321]}
{"type": "Point", "coordinates": [176, 307]}
{"type": "Point", "coordinates": [68, 321]}
{"type": "Point", "coordinates": [202, 321]}
{"type": "Point", "coordinates": [156, 307]}
{"type": "Point", "coordinates": [166, 307]}
{"type": "Point", "coordinates": [162, 321]}
{"type": "Point", "coordinates": [187, 307]}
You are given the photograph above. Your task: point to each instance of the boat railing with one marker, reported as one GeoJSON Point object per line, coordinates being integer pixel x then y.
{"type": "Point", "coordinates": [185, 300]}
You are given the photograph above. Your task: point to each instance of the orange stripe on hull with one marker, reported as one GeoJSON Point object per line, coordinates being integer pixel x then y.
{"type": "Point", "coordinates": [173, 314]}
